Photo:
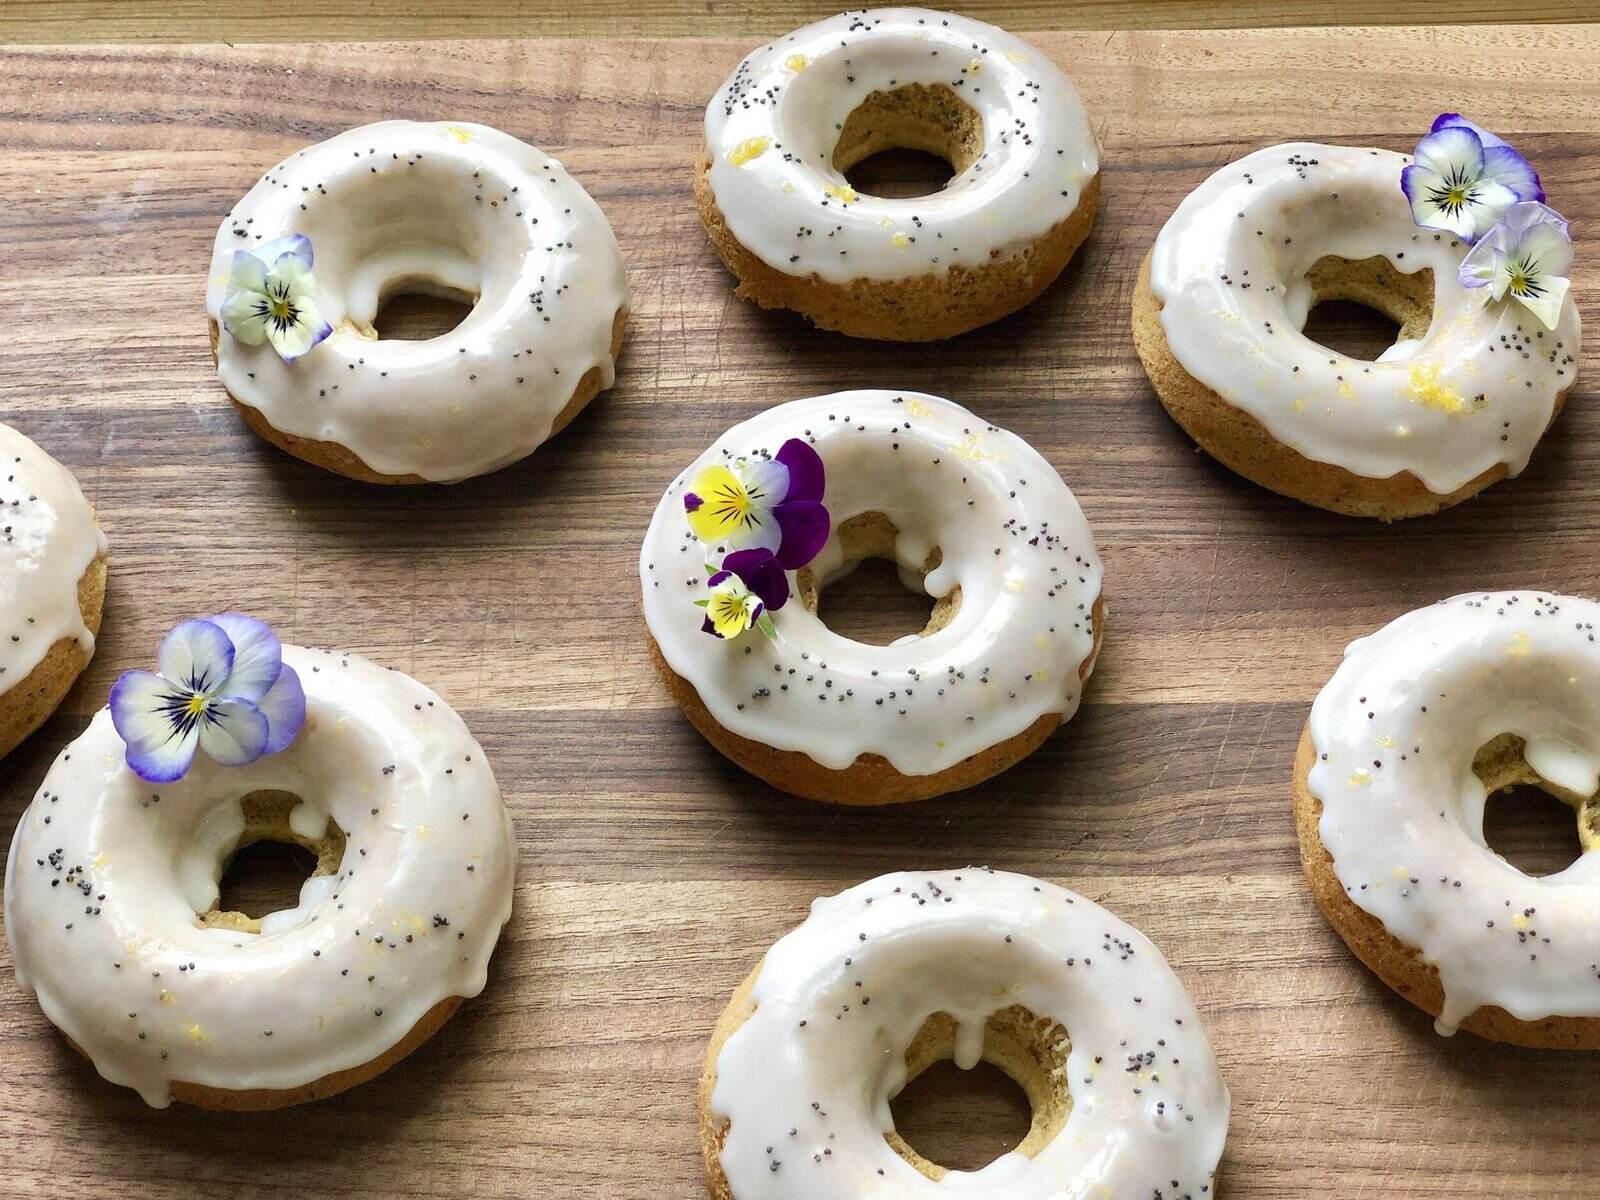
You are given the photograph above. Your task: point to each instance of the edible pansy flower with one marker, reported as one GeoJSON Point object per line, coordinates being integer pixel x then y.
{"type": "Point", "coordinates": [744, 592]}
{"type": "Point", "coordinates": [272, 298]}
{"type": "Point", "coordinates": [1527, 257]}
{"type": "Point", "coordinates": [770, 504]}
{"type": "Point", "coordinates": [223, 688]}
{"type": "Point", "coordinates": [1464, 179]}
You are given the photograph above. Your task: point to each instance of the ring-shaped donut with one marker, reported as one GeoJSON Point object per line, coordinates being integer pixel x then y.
{"type": "Point", "coordinates": [1423, 720]}
{"type": "Point", "coordinates": [453, 209]}
{"type": "Point", "coordinates": [973, 516]}
{"type": "Point", "coordinates": [804, 109]}
{"type": "Point", "coordinates": [112, 898]}
{"type": "Point", "coordinates": [900, 972]}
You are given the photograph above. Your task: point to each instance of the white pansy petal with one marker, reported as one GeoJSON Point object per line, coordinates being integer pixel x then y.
{"type": "Point", "coordinates": [1453, 152]}
{"type": "Point", "coordinates": [244, 315]}
{"type": "Point", "coordinates": [1490, 201]}
{"type": "Point", "coordinates": [308, 329]}
{"type": "Point", "coordinates": [233, 732]}
{"type": "Point", "coordinates": [1478, 268]}
{"type": "Point", "coordinates": [257, 656]}
{"type": "Point", "coordinates": [296, 245]}
{"type": "Point", "coordinates": [196, 655]}
{"type": "Point", "coordinates": [294, 275]}
{"type": "Point", "coordinates": [766, 480]}
{"type": "Point", "coordinates": [1552, 292]}
{"type": "Point", "coordinates": [1548, 249]}
{"type": "Point", "coordinates": [246, 273]}
{"type": "Point", "coordinates": [148, 713]}
{"type": "Point", "coordinates": [285, 709]}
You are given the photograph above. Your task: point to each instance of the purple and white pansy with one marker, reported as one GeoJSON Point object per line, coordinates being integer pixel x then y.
{"type": "Point", "coordinates": [769, 513]}
{"type": "Point", "coordinates": [1468, 182]}
{"type": "Point", "coordinates": [223, 688]}
{"type": "Point", "coordinates": [272, 298]}
{"type": "Point", "coordinates": [1463, 179]}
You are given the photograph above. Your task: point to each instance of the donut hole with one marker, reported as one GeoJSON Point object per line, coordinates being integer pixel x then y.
{"type": "Point", "coordinates": [874, 597]}
{"type": "Point", "coordinates": [908, 141]}
{"type": "Point", "coordinates": [417, 311]}
{"type": "Point", "coordinates": [1528, 820]}
{"type": "Point", "coordinates": [268, 863]}
{"type": "Point", "coordinates": [1015, 1099]}
{"type": "Point", "coordinates": [1361, 308]}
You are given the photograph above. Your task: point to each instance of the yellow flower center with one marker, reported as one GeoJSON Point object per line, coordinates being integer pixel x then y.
{"type": "Point", "coordinates": [195, 705]}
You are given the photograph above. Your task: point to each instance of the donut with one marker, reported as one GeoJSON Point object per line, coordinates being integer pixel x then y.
{"type": "Point", "coordinates": [1456, 404]}
{"type": "Point", "coordinates": [801, 111]}
{"type": "Point", "coordinates": [907, 970]}
{"type": "Point", "coordinates": [112, 896]}
{"type": "Point", "coordinates": [304, 262]}
{"type": "Point", "coordinates": [52, 585]}
{"type": "Point", "coordinates": [971, 514]}
{"type": "Point", "coordinates": [1421, 722]}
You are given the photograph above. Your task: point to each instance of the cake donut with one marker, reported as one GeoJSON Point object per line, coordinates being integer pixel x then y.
{"type": "Point", "coordinates": [906, 970]}
{"type": "Point", "coordinates": [1421, 722]}
{"type": "Point", "coordinates": [52, 585]}
{"type": "Point", "coordinates": [304, 262]}
{"type": "Point", "coordinates": [1457, 403]}
{"type": "Point", "coordinates": [803, 110]}
{"type": "Point", "coordinates": [112, 883]}
{"type": "Point", "coordinates": [971, 514]}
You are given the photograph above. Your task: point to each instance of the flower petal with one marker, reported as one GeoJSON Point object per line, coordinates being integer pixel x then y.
{"type": "Point", "coordinates": [1422, 187]}
{"type": "Point", "coordinates": [1454, 152]}
{"type": "Point", "coordinates": [1510, 170]}
{"type": "Point", "coordinates": [728, 514]}
{"type": "Point", "coordinates": [147, 712]}
{"type": "Point", "coordinates": [257, 656]}
{"type": "Point", "coordinates": [296, 246]}
{"type": "Point", "coordinates": [761, 574]}
{"type": "Point", "coordinates": [285, 709]}
{"type": "Point", "coordinates": [295, 339]}
{"type": "Point", "coordinates": [1546, 305]}
{"type": "Point", "coordinates": [766, 480]}
{"type": "Point", "coordinates": [806, 475]}
{"type": "Point", "coordinates": [1447, 120]}
{"type": "Point", "coordinates": [805, 527]}
{"type": "Point", "coordinates": [233, 732]}
{"type": "Point", "coordinates": [246, 273]}
{"type": "Point", "coordinates": [196, 655]}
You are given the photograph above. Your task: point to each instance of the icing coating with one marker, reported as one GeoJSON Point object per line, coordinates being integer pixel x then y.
{"type": "Point", "coordinates": [1013, 539]}
{"type": "Point", "coordinates": [48, 539]}
{"type": "Point", "coordinates": [1396, 729]}
{"type": "Point", "coordinates": [1230, 269]}
{"type": "Point", "coordinates": [107, 872]}
{"type": "Point", "coordinates": [452, 207]}
{"type": "Point", "coordinates": [806, 1082]}
{"type": "Point", "coordinates": [771, 128]}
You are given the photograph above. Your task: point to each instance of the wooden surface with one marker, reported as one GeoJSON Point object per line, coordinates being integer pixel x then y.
{"type": "Point", "coordinates": [330, 20]}
{"type": "Point", "coordinates": [653, 874]}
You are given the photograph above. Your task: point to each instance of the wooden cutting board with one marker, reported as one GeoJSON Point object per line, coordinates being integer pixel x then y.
{"type": "Point", "coordinates": [654, 874]}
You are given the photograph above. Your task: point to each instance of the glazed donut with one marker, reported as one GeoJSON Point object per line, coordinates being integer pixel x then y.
{"type": "Point", "coordinates": [800, 112]}
{"type": "Point", "coordinates": [971, 514]}
{"type": "Point", "coordinates": [906, 970]}
{"type": "Point", "coordinates": [458, 210]}
{"type": "Point", "coordinates": [52, 585]}
{"type": "Point", "coordinates": [111, 898]}
{"type": "Point", "coordinates": [1421, 722]}
{"type": "Point", "coordinates": [1459, 402]}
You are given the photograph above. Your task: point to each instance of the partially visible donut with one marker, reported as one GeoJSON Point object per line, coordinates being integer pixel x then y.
{"type": "Point", "coordinates": [906, 970]}
{"type": "Point", "coordinates": [804, 109]}
{"type": "Point", "coordinates": [453, 209]}
{"type": "Point", "coordinates": [52, 585]}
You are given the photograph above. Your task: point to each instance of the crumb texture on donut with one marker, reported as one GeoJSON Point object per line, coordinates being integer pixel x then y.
{"type": "Point", "coordinates": [52, 585]}
{"type": "Point", "coordinates": [446, 208]}
{"type": "Point", "coordinates": [1458, 403]}
{"type": "Point", "coordinates": [907, 970]}
{"type": "Point", "coordinates": [972, 515]}
{"type": "Point", "coordinates": [114, 919]}
{"type": "Point", "coordinates": [1390, 783]}
{"type": "Point", "coordinates": [788, 223]}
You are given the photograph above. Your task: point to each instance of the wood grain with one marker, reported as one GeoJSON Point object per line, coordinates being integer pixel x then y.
{"type": "Point", "coordinates": [654, 874]}
{"type": "Point", "coordinates": [329, 20]}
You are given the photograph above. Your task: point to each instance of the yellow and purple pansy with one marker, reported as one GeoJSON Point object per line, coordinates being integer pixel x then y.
{"type": "Point", "coordinates": [223, 688]}
{"type": "Point", "coordinates": [272, 298]}
{"type": "Point", "coordinates": [1464, 178]}
{"type": "Point", "coordinates": [769, 513]}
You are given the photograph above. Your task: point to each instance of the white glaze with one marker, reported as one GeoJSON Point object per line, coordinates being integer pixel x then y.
{"type": "Point", "coordinates": [452, 207]}
{"type": "Point", "coordinates": [48, 539]}
{"type": "Point", "coordinates": [806, 1082]}
{"type": "Point", "coordinates": [107, 872]}
{"type": "Point", "coordinates": [1013, 539]}
{"type": "Point", "coordinates": [788, 205]}
{"type": "Point", "coordinates": [1229, 268]}
{"type": "Point", "coordinates": [1396, 729]}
